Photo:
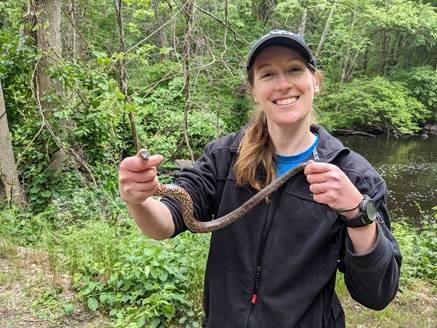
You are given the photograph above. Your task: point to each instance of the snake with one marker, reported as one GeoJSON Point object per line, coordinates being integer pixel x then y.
{"type": "Point", "coordinates": [194, 225]}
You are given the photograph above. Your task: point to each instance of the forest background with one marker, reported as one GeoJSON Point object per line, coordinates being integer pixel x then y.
{"type": "Point", "coordinates": [84, 84]}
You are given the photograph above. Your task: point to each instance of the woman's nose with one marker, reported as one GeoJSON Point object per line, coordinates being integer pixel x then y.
{"type": "Point", "coordinates": [283, 82]}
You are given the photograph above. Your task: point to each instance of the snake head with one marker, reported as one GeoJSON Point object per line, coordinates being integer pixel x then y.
{"type": "Point", "coordinates": [144, 154]}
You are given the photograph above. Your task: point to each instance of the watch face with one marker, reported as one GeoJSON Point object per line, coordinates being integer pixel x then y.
{"type": "Point", "coordinates": [371, 210]}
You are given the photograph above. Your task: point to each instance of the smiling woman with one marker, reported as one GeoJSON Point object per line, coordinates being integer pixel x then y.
{"type": "Point", "coordinates": [277, 265]}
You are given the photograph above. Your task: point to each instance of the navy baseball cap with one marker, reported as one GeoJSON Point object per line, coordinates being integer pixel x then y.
{"type": "Point", "coordinates": [281, 38]}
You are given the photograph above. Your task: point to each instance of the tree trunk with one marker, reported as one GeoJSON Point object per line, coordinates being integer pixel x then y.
{"type": "Point", "coordinates": [262, 9]}
{"type": "Point", "coordinates": [160, 19]}
{"type": "Point", "coordinates": [72, 30]}
{"type": "Point", "coordinates": [303, 22]}
{"type": "Point", "coordinates": [10, 188]}
{"type": "Point", "coordinates": [189, 18]}
{"type": "Point", "coordinates": [48, 41]}
{"type": "Point", "coordinates": [383, 57]}
{"type": "Point", "coordinates": [347, 58]}
{"type": "Point", "coordinates": [326, 30]}
{"type": "Point", "coordinates": [123, 77]}
{"type": "Point", "coordinates": [396, 49]}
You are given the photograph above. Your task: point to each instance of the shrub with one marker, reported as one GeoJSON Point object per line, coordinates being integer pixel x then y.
{"type": "Point", "coordinates": [137, 280]}
{"type": "Point", "coordinates": [377, 102]}
{"type": "Point", "coordinates": [422, 84]}
{"type": "Point", "coordinates": [419, 250]}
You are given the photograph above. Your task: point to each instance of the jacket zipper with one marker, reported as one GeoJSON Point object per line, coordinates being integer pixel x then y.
{"type": "Point", "coordinates": [265, 233]}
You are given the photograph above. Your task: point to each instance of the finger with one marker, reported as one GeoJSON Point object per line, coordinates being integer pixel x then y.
{"type": "Point", "coordinates": [316, 178]}
{"type": "Point", "coordinates": [127, 177]}
{"type": "Point", "coordinates": [137, 164]}
{"type": "Point", "coordinates": [319, 188]}
{"type": "Point", "coordinates": [323, 198]}
{"type": "Point", "coordinates": [147, 187]}
{"type": "Point", "coordinates": [317, 167]}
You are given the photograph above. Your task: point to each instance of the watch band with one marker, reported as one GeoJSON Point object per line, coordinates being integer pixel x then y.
{"type": "Point", "coordinates": [357, 221]}
{"type": "Point", "coordinates": [363, 218]}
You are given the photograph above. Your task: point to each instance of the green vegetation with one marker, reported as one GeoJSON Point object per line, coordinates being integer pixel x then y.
{"type": "Point", "coordinates": [138, 281]}
{"type": "Point", "coordinates": [71, 121]}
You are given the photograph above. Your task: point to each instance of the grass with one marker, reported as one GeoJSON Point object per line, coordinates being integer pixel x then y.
{"type": "Point", "coordinates": [415, 307]}
{"type": "Point", "coordinates": [32, 295]}
{"type": "Point", "coordinates": [130, 281]}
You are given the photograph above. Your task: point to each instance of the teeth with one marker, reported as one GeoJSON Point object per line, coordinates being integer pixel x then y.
{"type": "Point", "coordinates": [287, 101]}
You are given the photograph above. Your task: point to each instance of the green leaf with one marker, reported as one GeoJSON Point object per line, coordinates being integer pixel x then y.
{"type": "Point", "coordinates": [155, 322]}
{"type": "Point", "coordinates": [93, 304]}
{"type": "Point", "coordinates": [141, 321]}
{"type": "Point", "coordinates": [68, 308]}
{"type": "Point", "coordinates": [46, 194]}
{"type": "Point", "coordinates": [119, 95]}
{"type": "Point", "coordinates": [168, 310]}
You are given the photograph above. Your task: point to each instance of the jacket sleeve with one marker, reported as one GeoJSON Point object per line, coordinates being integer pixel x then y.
{"type": "Point", "coordinates": [373, 278]}
{"type": "Point", "coordinates": [200, 183]}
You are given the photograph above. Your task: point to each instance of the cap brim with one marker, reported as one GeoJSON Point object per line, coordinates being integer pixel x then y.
{"type": "Point", "coordinates": [285, 41]}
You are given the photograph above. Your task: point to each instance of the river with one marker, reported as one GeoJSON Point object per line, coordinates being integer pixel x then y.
{"type": "Point", "coordinates": [408, 166]}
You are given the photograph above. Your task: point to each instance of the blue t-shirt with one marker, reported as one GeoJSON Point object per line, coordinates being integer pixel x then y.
{"type": "Point", "coordinates": [285, 163]}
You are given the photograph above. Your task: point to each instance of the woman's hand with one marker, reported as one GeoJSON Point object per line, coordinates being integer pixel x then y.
{"type": "Point", "coordinates": [137, 178]}
{"type": "Point", "coordinates": [331, 186]}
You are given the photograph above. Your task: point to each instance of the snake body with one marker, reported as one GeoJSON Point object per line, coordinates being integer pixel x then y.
{"type": "Point", "coordinates": [208, 226]}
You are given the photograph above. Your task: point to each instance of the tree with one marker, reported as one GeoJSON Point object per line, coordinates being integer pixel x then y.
{"type": "Point", "coordinates": [10, 188]}
{"type": "Point", "coordinates": [48, 42]}
{"type": "Point", "coordinates": [326, 29]}
{"type": "Point", "coordinates": [262, 9]}
{"type": "Point", "coordinates": [123, 78]}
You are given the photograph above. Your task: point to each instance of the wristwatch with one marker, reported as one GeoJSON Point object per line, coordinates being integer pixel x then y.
{"type": "Point", "coordinates": [367, 214]}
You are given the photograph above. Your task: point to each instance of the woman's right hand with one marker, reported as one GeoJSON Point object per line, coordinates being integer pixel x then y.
{"type": "Point", "coordinates": [137, 178]}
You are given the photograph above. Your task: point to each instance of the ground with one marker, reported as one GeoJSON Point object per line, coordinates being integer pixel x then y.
{"type": "Point", "coordinates": [34, 294]}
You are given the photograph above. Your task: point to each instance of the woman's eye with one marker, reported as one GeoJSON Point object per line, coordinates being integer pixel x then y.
{"type": "Point", "coordinates": [295, 70]}
{"type": "Point", "coordinates": [267, 74]}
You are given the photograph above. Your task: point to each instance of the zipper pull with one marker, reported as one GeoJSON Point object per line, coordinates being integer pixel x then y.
{"type": "Point", "coordinates": [255, 288]}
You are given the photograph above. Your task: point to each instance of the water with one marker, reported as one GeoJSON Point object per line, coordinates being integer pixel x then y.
{"type": "Point", "coordinates": [408, 166]}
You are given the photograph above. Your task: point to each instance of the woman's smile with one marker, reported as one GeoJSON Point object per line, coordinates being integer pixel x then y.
{"type": "Point", "coordinates": [285, 102]}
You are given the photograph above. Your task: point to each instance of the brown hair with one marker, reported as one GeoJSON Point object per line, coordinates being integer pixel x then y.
{"type": "Point", "coordinates": [255, 165]}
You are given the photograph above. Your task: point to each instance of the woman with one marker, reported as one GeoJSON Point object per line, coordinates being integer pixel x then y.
{"type": "Point", "coordinates": [276, 266]}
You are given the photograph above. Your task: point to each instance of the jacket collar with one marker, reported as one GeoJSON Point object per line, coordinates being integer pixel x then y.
{"type": "Point", "coordinates": [328, 147]}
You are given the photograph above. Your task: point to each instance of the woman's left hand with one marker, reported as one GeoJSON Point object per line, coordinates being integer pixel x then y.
{"type": "Point", "coordinates": [331, 186]}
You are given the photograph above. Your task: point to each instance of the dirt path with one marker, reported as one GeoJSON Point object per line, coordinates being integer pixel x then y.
{"type": "Point", "coordinates": [33, 295]}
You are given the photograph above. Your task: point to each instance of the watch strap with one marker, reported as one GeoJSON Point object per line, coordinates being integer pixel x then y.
{"type": "Point", "coordinates": [361, 219]}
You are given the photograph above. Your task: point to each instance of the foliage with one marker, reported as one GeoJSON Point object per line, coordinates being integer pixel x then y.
{"type": "Point", "coordinates": [139, 281]}
{"type": "Point", "coordinates": [378, 60]}
{"type": "Point", "coordinates": [375, 103]}
{"type": "Point", "coordinates": [419, 250]}
{"type": "Point", "coordinates": [422, 83]}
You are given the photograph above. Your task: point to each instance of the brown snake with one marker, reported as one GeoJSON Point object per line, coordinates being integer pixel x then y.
{"type": "Point", "coordinates": [187, 205]}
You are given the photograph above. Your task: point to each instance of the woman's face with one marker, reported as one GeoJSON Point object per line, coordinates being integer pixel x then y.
{"type": "Point", "coordinates": [283, 86]}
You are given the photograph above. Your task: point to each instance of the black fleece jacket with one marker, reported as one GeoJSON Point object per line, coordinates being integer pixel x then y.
{"type": "Point", "coordinates": [276, 267]}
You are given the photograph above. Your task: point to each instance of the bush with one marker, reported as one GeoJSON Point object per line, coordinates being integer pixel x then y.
{"type": "Point", "coordinates": [377, 103]}
{"type": "Point", "coordinates": [137, 280]}
{"type": "Point", "coordinates": [419, 250]}
{"type": "Point", "coordinates": [422, 84]}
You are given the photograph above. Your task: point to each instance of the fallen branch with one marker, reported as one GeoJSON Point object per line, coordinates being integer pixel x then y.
{"type": "Point", "coordinates": [353, 132]}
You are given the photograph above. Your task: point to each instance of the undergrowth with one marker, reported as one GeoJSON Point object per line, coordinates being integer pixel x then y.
{"type": "Point", "coordinates": [140, 282]}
